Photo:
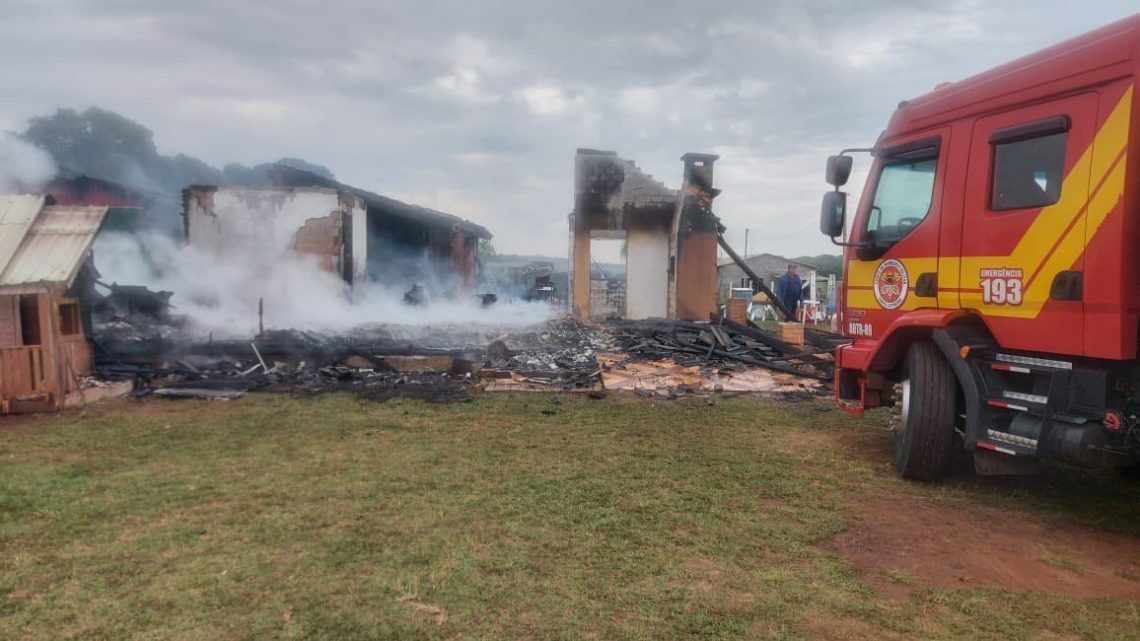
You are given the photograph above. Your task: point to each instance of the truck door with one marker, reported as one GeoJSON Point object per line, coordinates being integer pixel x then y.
{"type": "Point", "coordinates": [1027, 189]}
{"type": "Point", "coordinates": [895, 268]}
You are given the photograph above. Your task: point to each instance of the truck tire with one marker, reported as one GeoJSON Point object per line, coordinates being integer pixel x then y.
{"type": "Point", "coordinates": [924, 442]}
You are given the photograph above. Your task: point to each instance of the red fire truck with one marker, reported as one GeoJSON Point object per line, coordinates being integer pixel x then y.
{"type": "Point", "coordinates": [992, 266]}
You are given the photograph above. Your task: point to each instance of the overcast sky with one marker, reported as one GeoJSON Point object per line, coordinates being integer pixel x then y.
{"type": "Point", "coordinates": [476, 108]}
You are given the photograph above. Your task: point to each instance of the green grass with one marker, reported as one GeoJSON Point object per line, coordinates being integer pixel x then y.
{"type": "Point", "coordinates": [333, 518]}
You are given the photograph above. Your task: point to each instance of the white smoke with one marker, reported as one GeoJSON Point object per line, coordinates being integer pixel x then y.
{"type": "Point", "coordinates": [24, 168]}
{"type": "Point", "coordinates": [220, 294]}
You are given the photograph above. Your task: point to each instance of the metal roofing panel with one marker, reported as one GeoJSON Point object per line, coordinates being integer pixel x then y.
{"type": "Point", "coordinates": [17, 212]}
{"type": "Point", "coordinates": [55, 247]}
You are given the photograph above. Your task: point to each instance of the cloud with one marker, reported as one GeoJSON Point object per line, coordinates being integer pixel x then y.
{"type": "Point", "coordinates": [548, 99]}
{"type": "Point", "coordinates": [479, 109]}
{"type": "Point", "coordinates": [464, 85]}
{"type": "Point", "coordinates": [243, 111]}
{"type": "Point", "coordinates": [640, 101]}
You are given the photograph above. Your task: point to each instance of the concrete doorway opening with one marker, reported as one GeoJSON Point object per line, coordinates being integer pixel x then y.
{"type": "Point", "coordinates": [608, 275]}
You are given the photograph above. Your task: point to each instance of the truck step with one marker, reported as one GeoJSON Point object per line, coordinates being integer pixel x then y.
{"type": "Point", "coordinates": [1027, 364]}
{"type": "Point", "coordinates": [1019, 401]}
{"type": "Point", "coordinates": [1006, 443]}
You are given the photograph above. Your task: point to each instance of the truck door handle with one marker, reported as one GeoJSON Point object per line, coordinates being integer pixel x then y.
{"type": "Point", "coordinates": [926, 285]}
{"type": "Point", "coordinates": [1067, 285]}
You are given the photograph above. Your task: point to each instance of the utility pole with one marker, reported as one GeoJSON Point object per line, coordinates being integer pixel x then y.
{"type": "Point", "coordinates": [746, 242]}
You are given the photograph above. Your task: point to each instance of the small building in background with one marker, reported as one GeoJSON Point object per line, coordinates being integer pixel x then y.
{"type": "Point", "coordinates": [766, 266]}
{"type": "Point", "coordinates": [44, 352]}
{"type": "Point", "coordinates": [819, 289]}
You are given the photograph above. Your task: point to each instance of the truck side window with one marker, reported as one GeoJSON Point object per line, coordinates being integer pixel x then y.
{"type": "Point", "coordinates": [902, 198]}
{"type": "Point", "coordinates": [1028, 165]}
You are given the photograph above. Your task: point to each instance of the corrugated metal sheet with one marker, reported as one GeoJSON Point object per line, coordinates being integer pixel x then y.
{"type": "Point", "coordinates": [54, 248]}
{"type": "Point", "coordinates": [17, 212]}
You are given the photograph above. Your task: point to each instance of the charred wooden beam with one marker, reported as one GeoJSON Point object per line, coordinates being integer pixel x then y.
{"type": "Point", "coordinates": [756, 280]}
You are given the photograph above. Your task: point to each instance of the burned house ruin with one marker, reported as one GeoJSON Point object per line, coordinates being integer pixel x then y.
{"type": "Point", "coordinates": [670, 236]}
{"type": "Point", "coordinates": [406, 243]}
{"type": "Point", "coordinates": [357, 234]}
{"type": "Point", "coordinates": [323, 223]}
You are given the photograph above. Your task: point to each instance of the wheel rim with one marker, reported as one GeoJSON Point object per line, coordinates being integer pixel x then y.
{"type": "Point", "coordinates": [904, 404]}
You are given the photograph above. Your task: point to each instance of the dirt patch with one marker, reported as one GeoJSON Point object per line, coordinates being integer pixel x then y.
{"type": "Point", "coordinates": [869, 445]}
{"type": "Point", "coordinates": [907, 544]}
{"type": "Point", "coordinates": [22, 424]}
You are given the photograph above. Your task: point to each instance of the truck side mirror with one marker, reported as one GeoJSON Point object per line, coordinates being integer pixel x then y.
{"type": "Point", "coordinates": [838, 170]}
{"type": "Point", "coordinates": [833, 212]}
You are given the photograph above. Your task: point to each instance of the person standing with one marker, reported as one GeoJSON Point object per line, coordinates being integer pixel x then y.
{"type": "Point", "coordinates": [790, 289]}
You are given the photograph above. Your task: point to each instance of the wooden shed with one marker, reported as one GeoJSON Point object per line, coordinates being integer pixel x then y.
{"type": "Point", "coordinates": [44, 354]}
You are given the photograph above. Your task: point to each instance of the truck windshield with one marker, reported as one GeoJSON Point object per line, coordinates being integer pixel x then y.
{"type": "Point", "coordinates": [902, 199]}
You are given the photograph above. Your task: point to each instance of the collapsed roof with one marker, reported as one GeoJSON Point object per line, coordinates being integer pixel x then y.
{"type": "Point", "coordinates": [286, 176]}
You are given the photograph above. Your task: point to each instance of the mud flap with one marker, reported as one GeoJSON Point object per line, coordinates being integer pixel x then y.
{"type": "Point", "coordinates": [951, 341]}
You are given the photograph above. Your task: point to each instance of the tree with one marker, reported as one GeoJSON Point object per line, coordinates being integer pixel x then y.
{"type": "Point", "coordinates": [825, 264]}
{"type": "Point", "coordinates": [103, 144]}
{"type": "Point", "coordinates": [97, 142]}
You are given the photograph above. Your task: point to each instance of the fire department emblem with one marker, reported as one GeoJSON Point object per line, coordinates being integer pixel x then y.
{"type": "Point", "coordinates": [891, 284]}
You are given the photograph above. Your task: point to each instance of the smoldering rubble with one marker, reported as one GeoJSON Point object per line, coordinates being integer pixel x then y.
{"type": "Point", "coordinates": [665, 359]}
{"type": "Point", "coordinates": [215, 339]}
{"type": "Point", "coordinates": [308, 286]}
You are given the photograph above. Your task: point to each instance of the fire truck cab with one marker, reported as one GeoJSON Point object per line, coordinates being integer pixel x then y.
{"type": "Point", "coordinates": [992, 283]}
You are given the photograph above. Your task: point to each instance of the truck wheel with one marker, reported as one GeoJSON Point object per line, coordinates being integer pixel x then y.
{"type": "Point", "coordinates": [924, 442]}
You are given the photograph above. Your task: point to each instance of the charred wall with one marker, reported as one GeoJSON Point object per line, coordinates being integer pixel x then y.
{"type": "Point", "coordinates": [613, 194]}
{"type": "Point", "coordinates": [671, 236]}
{"type": "Point", "coordinates": [319, 222]}
{"type": "Point", "coordinates": [695, 241]}
{"type": "Point", "coordinates": [404, 252]}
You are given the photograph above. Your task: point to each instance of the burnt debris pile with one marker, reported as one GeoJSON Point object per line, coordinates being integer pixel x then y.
{"type": "Point", "coordinates": [373, 364]}
{"type": "Point", "coordinates": [560, 353]}
{"type": "Point", "coordinates": [724, 345]}
{"type": "Point", "coordinates": [130, 319]}
{"type": "Point", "coordinates": [439, 363]}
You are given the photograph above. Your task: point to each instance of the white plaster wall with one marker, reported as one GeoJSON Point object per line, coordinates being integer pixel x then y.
{"type": "Point", "coordinates": [252, 219]}
{"type": "Point", "coordinates": [256, 218]}
{"type": "Point", "coordinates": [647, 273]}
